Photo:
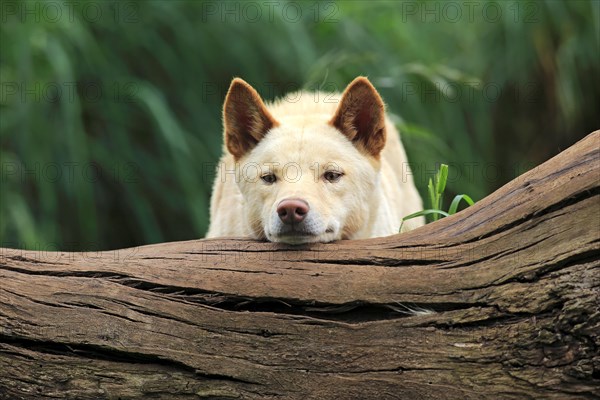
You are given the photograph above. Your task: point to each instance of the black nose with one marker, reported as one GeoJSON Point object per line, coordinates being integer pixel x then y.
{"type": "Point", "coordinates": [292, 211]}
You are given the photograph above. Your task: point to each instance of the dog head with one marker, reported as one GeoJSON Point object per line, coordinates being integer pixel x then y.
{"type": "Point", "coordinates": [306, 176]}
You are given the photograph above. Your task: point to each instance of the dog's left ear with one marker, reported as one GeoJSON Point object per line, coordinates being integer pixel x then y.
{"type": "Point", "coordinates": [361, 116]}
{"type": "Point", "coordinates": [245, 117]}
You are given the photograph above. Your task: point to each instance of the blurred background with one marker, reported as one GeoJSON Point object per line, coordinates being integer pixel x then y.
{"type": "Point", "coordinates": [110, 124]}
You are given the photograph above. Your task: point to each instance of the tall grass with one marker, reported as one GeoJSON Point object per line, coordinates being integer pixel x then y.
{"type": "Point", "coordinates": [111, 125]}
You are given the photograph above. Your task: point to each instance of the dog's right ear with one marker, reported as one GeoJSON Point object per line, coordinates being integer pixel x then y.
{"type": "Point", "coordinates": [245, 117]}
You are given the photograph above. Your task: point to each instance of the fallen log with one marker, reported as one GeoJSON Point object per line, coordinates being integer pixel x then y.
{"type": "Point", "coordinates": [498, 301]}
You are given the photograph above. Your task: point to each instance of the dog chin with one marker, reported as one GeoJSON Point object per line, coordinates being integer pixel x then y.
{"type": "Point", "coordinates": [298, 239]}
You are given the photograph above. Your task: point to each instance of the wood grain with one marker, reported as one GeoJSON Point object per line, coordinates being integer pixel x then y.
{"type": "Point", "coordinates": [508, 291]}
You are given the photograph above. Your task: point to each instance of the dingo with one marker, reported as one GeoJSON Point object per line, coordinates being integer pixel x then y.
{"type": "Point", "coordinates": [311, 168]}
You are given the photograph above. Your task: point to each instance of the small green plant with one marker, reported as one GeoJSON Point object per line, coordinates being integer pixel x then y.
{"type": "Point", "coordinates": [436, 189]}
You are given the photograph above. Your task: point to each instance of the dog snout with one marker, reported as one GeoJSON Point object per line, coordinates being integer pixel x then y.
{"type": "Point", "coordinates": [292, 211]}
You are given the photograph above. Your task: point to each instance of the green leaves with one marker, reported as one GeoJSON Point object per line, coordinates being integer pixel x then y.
{"type": "Point", "coordinates": [436, 188]}
{"type": "Point", "coordinates": [456, 202]}
{"type": "Point", "coordinates": [117, 108]}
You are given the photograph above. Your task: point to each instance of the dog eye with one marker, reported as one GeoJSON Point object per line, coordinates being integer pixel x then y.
{"type": "Point", "coordinates": [332, 176]}
{"type": "Point", "coordinates": [269, 178]}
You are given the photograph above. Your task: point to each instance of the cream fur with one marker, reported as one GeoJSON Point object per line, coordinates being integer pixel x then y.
{"type": "Point", "coordinates": [368, 201]}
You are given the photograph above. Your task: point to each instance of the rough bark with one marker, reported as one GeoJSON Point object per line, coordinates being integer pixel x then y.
{"type": "Point", "coordinates": [512, 284]}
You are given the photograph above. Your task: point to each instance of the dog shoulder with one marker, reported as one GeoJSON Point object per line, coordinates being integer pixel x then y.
{"type": "Point", "coordinates": [397, 177]}
{"type": "Point", "coordinates": [226, 213]}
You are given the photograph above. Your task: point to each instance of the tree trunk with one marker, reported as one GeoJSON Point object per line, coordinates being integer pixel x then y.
{"type": "Point", "coordinates": [498, 301]}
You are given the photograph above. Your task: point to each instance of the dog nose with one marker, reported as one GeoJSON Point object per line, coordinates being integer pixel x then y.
{"type": "Point", "coordinates": [292, 210]}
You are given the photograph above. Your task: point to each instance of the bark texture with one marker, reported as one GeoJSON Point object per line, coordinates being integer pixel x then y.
{"type": "Point", "coordinates": [512, 286]}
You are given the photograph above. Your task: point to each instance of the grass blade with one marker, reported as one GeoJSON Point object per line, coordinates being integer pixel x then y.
{"type": "Point", "coordinates": [422, 213]}
{"type": "Point", "coordinates": [441, 178]}
{"type": "Point", "coordinates": [456, 201]}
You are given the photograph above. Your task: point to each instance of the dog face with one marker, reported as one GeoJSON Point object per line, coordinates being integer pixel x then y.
{"type": "Point", "coordinates": [306, 178]}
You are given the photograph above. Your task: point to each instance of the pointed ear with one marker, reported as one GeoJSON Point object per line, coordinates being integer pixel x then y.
{"type": "Point", "coordinates": [245, 117]}
{"type": "Point", "coordinates": [360, 116]}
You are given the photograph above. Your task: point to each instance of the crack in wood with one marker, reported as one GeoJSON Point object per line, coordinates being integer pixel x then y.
{"type": "Point", "coordinates": [112, 354]}
{"type": "Point", "coordinates": [512, 282]}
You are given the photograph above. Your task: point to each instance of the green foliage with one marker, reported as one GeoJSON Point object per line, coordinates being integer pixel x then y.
{"type": "Point", "coordinates": [110, 125]}
{"type": "Point", "coordinates": [435, 189]}
{"type": "Point", "coordinates": [456, 202]}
